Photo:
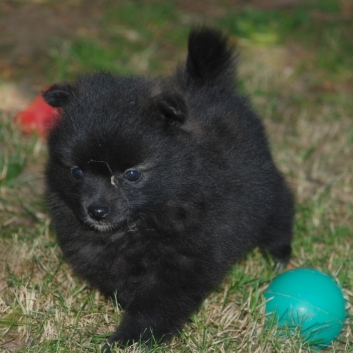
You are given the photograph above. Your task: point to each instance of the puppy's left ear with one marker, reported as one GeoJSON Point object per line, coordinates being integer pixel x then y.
{"type": "Point", "coordinates": [172, 107]}
{"type": "Point", "coordinates": [59, 94]}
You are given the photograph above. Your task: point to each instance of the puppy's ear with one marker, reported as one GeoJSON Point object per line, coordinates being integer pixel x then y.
{"type": "Point", "coordinates": [59, 94]}
{"type": "Point", "coordinates": [172, 107]}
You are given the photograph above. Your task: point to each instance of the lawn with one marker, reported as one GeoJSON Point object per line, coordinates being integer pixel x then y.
{"type": "Point", "coordinates": [295, 63]}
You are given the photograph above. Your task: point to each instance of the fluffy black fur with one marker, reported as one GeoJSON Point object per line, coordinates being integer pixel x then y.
{"type": "Point", "coordinates": [157, 186]}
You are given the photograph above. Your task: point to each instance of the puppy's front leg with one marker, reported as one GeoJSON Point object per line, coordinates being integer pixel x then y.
{"type": "Point", "coordinates": [155, 317]}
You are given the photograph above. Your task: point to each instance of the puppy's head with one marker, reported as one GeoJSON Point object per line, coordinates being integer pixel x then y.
{"type": "Point", "coordinates": [120, 149]}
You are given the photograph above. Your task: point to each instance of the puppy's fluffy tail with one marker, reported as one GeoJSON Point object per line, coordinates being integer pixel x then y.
{"type": "Point", "coordinates": [210, 58]}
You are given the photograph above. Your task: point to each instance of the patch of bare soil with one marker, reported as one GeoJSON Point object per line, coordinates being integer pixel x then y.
{"type": "Point", "coordinates": [27, 29]}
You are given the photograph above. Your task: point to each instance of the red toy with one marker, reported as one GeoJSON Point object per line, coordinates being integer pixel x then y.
{"type": "Point", "coordinates": [37, 117]}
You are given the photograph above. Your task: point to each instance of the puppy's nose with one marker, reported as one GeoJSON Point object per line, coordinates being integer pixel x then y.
{"type": "Point", "coordinates": [98, 212]}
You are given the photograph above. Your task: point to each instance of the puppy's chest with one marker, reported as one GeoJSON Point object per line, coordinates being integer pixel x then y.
{"type": "Point", "coordinates": [132, 264]}
{"type": "Point", "coordinates": [137, 254]}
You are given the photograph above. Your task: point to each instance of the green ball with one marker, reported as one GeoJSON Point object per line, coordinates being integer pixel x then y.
{"type": "Point", "coordinates": [308, 299]}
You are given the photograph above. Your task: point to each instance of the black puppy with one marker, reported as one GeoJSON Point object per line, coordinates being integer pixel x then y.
{"type": "Point", "coordinates": [157, 186]}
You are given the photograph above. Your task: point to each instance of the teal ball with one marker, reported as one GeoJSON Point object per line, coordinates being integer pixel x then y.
{"type": "Point", "coordinates": [308, 299]}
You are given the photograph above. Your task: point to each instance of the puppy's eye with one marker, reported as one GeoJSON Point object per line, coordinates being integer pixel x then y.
{"type": "Point", "coordinates": [132, 175]}
{"type": "Point", "coordinates": [76, 173]}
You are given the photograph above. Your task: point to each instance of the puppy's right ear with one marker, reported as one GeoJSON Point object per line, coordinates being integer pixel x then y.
{"type": "Point", "coordinates": [59, 94]}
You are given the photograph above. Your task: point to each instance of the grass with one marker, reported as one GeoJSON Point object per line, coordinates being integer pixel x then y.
{"type": "Point", "coordinates": [295, 64]}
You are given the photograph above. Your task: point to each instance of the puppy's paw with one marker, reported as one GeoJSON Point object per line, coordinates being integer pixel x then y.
{"type": "Point", "coordinates": [106, 348]}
